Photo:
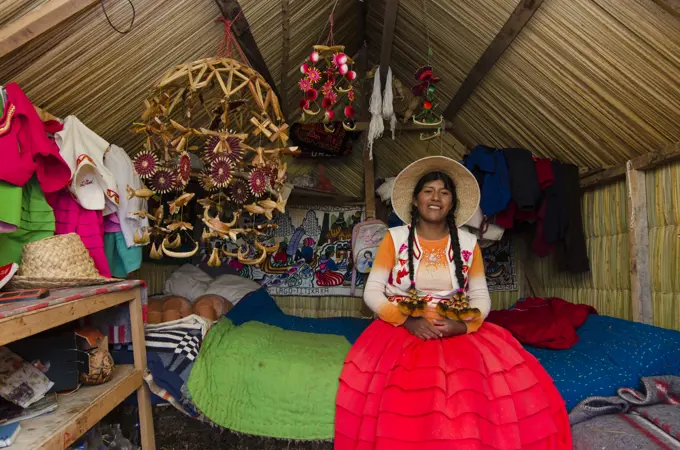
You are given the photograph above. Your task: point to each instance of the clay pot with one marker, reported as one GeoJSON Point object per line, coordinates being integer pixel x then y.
{"type": "Point", "coordinates": [211, 306]}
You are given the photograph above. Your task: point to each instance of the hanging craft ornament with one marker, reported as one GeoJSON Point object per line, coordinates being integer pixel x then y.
{"type": "Point", "coordinates": [425, 89]}
{"type": "Point", "coordinates": [225, 113]}
{"type": "Point", "coordinates": [327, 83]}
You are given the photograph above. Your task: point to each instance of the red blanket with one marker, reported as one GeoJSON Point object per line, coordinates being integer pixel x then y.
{"type": "Point", "coordinates": [543, 322]}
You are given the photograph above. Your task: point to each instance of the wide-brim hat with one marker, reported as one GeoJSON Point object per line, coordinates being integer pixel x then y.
{"type": "Point", "coordinates": [57, 261]}
{"type": "Point", "coordinates": [467, 189]}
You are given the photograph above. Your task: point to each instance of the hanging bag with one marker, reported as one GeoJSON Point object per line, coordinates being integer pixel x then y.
{"type": "Point", "coordinates": [366, 238]}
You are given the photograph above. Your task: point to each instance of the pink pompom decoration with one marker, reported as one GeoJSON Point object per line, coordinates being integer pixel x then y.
{"type": "Point", "coordinates": [343, 69]}
{"type": "Point", "coordinates": [314, 57]}
{"type": "Point", "coordinates": [340, 59]}
{"type": "Point", "coordinates": [351, 75]}
{"type": "Point", "coordinates": [329, 115]}
{"type": "Point", "coordinates": [349, 111]}
{"type": "Point", "coordinates": [304, 68]}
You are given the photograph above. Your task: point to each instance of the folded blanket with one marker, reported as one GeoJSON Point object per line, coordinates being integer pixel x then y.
{"type": "Point", "coordinates": [631, 420]}
{"type": "Point", "coordinates": [543, 322]}
{"type": "Point", "coordinates": [262, 380]}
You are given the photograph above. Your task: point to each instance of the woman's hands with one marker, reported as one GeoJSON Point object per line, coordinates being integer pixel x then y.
{"type": "Point", "coordinates": [450, 327]}
{"type": "Point", "coordinates": [421, 328]}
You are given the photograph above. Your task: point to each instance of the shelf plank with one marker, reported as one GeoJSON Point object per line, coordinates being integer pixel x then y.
{"type": "Point", "coordinates": [20, 326]}
{"type": "Point", "coordinates": [77, 412]}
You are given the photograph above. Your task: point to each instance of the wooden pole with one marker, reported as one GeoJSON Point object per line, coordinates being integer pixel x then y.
{"type": "Point", "coordinates": [38, 21]}
{"type": "Point", "coordinates": [643, 162]}
{"type": "Point", "coordinates": [230, 10]}
{"type": "Point", "coordinates": [389, 22]}
{"type": "Point", "coordinates": [638, 238]}
{"type": "Point", "coordinates": [285, 53]}
{"type": "Point", "coordinates": [524, 10]}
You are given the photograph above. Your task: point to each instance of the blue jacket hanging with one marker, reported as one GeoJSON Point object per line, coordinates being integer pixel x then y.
{"type": "Point", "coordinates": [489, 167]}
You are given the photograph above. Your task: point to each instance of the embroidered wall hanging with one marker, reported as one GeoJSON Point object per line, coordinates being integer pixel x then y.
{"type": "Point", "coordinates": [314, 256]}
{"type": "Point", "coordinates": [499, 266]}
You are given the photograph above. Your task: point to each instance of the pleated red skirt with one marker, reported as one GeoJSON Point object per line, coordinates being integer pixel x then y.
{"type": "Point", "coordinates": [477, 391]}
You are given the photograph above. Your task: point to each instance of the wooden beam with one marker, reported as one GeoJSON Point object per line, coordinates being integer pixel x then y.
{"type": "Point", "coordinates": [410, 126]}
{"type": "Point", "coordinates": [389, 22]}
{"type": "Point", "coordinates": [285, 53]}
{"type": "Point", "coordinates": [524, 10]}
{"type": "Point", "coordinates": [230, 10]}
{"type": "Point", "coordinates": [638, 239]}
{"type": "Point", "coordinates": [671, 6]}
{"type": "Point", "coordinates": [643, 162]}
{"type": "Point", "coordinates": [38, 21]}
{"type": "Point", "coordinates": [369, 179]}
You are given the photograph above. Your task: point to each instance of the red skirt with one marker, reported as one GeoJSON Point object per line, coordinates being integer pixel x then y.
{"type": "Point", "coordinates": [477, 391]}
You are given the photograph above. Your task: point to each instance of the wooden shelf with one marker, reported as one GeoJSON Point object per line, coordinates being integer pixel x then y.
{"type": "Point", "coordinates": [78, 412]}
{"type": "Point", "coordinates": [27, 324]}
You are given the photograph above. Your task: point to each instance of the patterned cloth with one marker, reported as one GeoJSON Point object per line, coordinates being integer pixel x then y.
{"type": "Point", "coordinates": [314, 257]}
{"type": "Point", "coordinates": [499, 265]}
{"type": "Point", "coordinates": [172, 349]}
{"type": "Point", "coordinates": [633, 419]}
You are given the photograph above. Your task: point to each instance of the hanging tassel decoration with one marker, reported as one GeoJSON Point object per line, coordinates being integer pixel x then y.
{"type": "Point", "coordinates": [376, 127]}
{"type": "Point", "coordinates": [387, 105]}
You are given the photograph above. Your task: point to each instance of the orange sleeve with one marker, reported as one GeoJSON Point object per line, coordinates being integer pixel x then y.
{"type": "Point", "coordinates": [374, 291]}
{"type": "Point", "coordinates": [478, 290]}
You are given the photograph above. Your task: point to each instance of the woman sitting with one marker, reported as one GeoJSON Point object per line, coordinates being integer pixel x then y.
{"type": "Point", "coordinates": [431, 374]}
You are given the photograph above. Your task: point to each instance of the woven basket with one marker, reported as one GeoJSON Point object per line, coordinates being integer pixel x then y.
{"type": "Point", "coordinates": [57, 261]}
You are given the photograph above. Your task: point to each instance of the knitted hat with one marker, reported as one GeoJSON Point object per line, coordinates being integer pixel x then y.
{"type": "Point", "coordinates": [467, 189]}
{"type": "Point", "coordinates": [57, 261]}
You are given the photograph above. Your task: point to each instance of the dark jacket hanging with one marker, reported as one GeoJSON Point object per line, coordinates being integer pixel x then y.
{"type": "Point", "coordinates": [574, 253]}
{"type": "Point", "coordinates": [525, 187]}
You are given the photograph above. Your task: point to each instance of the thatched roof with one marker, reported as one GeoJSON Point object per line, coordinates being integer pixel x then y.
{"type": "Point", "coordinates": [594, 82]}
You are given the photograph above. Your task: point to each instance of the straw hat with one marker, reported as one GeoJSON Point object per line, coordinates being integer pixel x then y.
{"type": "Point", "coordinates": [467, 189]}
{"type": "Point", "coordinates": [57, 261]}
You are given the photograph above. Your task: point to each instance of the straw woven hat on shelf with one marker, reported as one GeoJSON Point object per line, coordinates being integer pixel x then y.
{"type": "Point", "coordinates": [57, 261]}
{"type": "Point", "coordinates": [467, 189]}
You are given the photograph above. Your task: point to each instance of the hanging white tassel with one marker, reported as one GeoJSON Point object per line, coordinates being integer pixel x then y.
{"type": "Point", "coordinates": [376, 127]}
{"type": "Point", "coordinates": [387, 104]}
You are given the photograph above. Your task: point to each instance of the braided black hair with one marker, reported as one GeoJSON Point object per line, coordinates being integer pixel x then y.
{"type": "Point", "coordinates": [411, 239]}
{"type": "Point", "coordinates": [450, 220]}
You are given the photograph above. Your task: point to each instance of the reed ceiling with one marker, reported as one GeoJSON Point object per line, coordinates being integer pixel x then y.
{"type": "Point", "coordinates": [593, 82]}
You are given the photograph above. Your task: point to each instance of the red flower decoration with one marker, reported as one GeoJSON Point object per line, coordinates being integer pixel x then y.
{"type": "Point", "coordinates": [349, 111]}
{"type": "Point", "coordinates": [326, 103]}
{"type": "Point", "coordinates": [313, 75]}
{"type": "Point", "coordinates": [258, 181]}
{"type": "Point", "coordinates": [427, 104]}
{"type": "Point", "coordinates": [238, 191]}
{"type": "Point", "coordinates": [304, 103]}
{"type": "Point", "coordinates": [146, 163]}
{"type": "Point", "coordinates": [185, 167]}
{"type": "Point", "coordinates": [327, 88]}
{"type": "Point", "coordinates": [311, 95]}
{"type": "Point", "coordinates": [350, 95]}
{"type": "Point", "coordinates": [164, 180]}
{"type": "Point", "coordinates": [220, 172]}
{"type": "Point", "coordinates": [304, 84]}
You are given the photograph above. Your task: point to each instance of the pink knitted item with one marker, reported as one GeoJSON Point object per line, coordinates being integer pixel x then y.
{"type": "Point", "coordinates": [70, 217]}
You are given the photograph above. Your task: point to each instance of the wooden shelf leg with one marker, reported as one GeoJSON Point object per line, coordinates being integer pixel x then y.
{"type": "Point", "coordinates": [143, 396]}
